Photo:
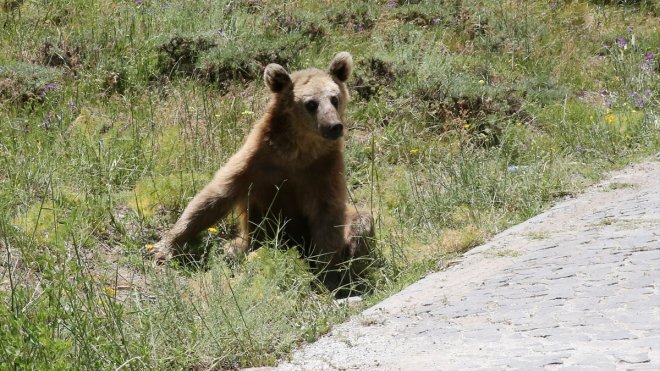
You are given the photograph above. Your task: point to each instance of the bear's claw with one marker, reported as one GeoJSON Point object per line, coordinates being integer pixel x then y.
{"type": "Point", "coordinates": [159, 252]}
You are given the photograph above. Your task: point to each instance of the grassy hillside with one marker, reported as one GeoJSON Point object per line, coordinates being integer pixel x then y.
{"type": "Point", "coordinates": [468, 116]}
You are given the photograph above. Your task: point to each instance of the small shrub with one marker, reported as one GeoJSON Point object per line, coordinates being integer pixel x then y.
{"type": "Point", "coordinates": [478, 110]}
{"type": "Point", "coordinates": [10, 6]}
{"type": "Point", "coordinates": [23, 82]}
{"type": "Point", "coordinates": [421, 15]}
{"type": "Point", "coordinates": [285, 23]}
{"type": "Point", "coordinates": [360, 18]}
{"type": "Point", "coordinates": [60, 54]}
{"type": "Point", "coordinates": [179, 54]}
{"type": "Point", "coordinates": [244, 60]}
{"type": "Point", "coordinates": [372, 75]}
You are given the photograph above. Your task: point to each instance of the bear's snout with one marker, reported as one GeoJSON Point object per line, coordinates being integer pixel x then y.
{"type": "Point", "coordinates": [333, 131]}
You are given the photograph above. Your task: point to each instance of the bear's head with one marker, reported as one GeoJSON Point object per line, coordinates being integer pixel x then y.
{"type": "Point", "coordinates": [316, 98]}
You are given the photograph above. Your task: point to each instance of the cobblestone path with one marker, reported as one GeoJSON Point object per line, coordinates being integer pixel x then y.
{"type": "Point", "coordinates": [573, 288]}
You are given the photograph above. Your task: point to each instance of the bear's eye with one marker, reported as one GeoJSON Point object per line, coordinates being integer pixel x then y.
{"type": "Point", "coordinates": [311, 105]}
{"type": "Point", "coordinates": [335, 101]}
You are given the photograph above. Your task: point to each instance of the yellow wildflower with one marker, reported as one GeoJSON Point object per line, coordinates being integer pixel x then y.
{"type": "Point", "coordinates": [110, 291]}
{"type": "Point", "coordinates": [213, 230]}
{"type": "Point", "coordinates": [149, 247]}
{"type": "Point", "coordinates": [247, 113]}
{"type": "Point", "coordinates": [466, 126]}
{"type": "Point", "coordinates": [610, 118]}
{"type": "Point", "coordinates": [481, 82]}
{"type": "Point", "coordinates": [414, 151]}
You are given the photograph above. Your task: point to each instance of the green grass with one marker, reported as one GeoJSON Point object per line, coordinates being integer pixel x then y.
{"type": "Point", "coordinates": [467, 117]}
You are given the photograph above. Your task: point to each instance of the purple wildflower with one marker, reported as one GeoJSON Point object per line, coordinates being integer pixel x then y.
{"type": "Point", "coordinates": [50, 86]}
{"type": "Point", "coordinates": [553, 5]}
{"type": "Point", "coordinates": [392, 4]}
{"type": "Point", "coordinates": [621, 42]}
{"type": "Point", "coordinates": [639, 100]}
{"type": "Point", "coordinates": [649, 58]}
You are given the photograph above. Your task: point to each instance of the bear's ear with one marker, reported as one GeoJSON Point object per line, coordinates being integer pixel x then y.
{"type": "Point", "coordinates": [341, 66]}
{"type": "Point", "coordinates": [276, 78]}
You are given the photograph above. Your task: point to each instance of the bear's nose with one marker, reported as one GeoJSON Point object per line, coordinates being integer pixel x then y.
{"type": "Point", "coordinates": [334, 131]}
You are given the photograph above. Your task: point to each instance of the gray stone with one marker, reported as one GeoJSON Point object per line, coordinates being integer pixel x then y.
{"type": "Point", "coordinates": [614, 335]}
{"type": "Point", "coordinates": [598, 361]}
{"type": "Point", "coordinates": [633, 357]}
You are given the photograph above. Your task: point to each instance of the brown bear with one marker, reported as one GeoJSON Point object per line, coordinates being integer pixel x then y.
{"type": "Point", "coordinates": [288, 178]}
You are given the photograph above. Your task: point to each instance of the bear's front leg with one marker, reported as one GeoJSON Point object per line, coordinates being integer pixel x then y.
{"type": "Point", "coordinates": [327, 232]}
{"type": "Point", "coordinates": [344, 238]}
{"type": "Point", "coordinates": [338, 236]}
{"type": "Point", "coordinates": [207, 207]}
{"type": "Point", "coordinates": [359, 234]}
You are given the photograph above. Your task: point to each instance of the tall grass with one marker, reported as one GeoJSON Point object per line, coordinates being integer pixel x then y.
{"type": "Point", "coordinates": [467, 117]}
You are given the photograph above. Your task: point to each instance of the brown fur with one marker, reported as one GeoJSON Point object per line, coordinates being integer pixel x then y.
{"type": "Point", "coordinates": [290, 169]}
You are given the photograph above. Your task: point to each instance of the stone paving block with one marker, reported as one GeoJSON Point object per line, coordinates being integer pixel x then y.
{"type": "Point", "coordinates": [632, 357]}
{"type": "Point", "coordinates": [614, 335]}
{"type": "Point", "coordinates": [554, 333]}
{"type": "Point", "coordinates": [582, 361]}
{"type": "Point", "coordinates": [483, 335]}
{"type": "Point", "coordinates": [525, 363]}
